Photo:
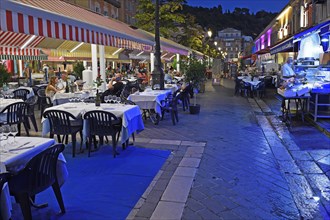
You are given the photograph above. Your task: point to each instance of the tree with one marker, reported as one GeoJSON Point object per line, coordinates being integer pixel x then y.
{"type": "Point", "coordinates": [170, 18]}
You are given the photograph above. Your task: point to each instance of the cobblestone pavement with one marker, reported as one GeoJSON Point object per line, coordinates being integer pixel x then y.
{"type": "Point", "coordinates": [250, 168]}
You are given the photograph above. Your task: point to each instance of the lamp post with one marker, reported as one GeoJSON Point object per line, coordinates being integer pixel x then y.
{"type": "Point", "coordinates": [157, 75]}
{"type": "Point", "coordinates": [209, 33]}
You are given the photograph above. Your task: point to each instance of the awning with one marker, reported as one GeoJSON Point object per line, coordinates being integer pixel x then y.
{"type": "Point", "coordinates": [319, 27]}
{"type": "Point", "coordinates": [60, 20]}
{"type": "Point", "coordinates": [262, 51]}
{"type": "Point", "coordinates": [283, 46]}
{"type": "Point", "coordinates": [12, 53]}
{"type": "Point", "coordinates": [17, 39]}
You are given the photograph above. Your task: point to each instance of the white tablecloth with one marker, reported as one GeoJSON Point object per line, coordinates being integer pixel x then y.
{"type": "Point", "coordinates": [13, 161]}
{"type": "Point", "coordinates": [61, 97]}
{"type": "Point", "coordinates": [130, 114]}
{"type": "Point", "coordinates": [5, 102]}
{"type": "Point", "coordinates": [23, 87]}
{"type": "Point", "coordinates": [150, 99]}
{"type": "Point", "coordinates": [172, 87]}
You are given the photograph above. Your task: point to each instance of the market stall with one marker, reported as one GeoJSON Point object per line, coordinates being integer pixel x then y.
{"type": "Point", "coordinates": [312, 70]}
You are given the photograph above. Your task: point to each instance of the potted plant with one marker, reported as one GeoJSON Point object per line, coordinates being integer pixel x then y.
{"type": "Point", "coordinates": [4, 75]}
{"type": "Point", "coordinates": [195, 75]}
{"type": "Point", "coordinates": [78, 68]}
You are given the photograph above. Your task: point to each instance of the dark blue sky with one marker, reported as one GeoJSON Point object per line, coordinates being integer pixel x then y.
{"type": "Point", "coordinates": [253, 5]}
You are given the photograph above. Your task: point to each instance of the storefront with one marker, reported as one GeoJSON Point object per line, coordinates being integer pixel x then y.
{"type": "Point", "coordinates": [312, 69]}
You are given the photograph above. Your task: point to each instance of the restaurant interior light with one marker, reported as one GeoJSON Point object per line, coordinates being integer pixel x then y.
{"type": "Point", "coordinates": [139, 53]}
{"type": "Point", "coordinates": [114, 53]}
{"type": "Point", "coordinates": [28, 41]}
{"type": "Point", "coordinates": [324, 40]}
{"type": "Point", "coordinates": [76, 47]}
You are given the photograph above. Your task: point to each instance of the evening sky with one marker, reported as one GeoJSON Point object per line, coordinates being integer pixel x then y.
{"type": "Point", "coordinates": [253, 5]}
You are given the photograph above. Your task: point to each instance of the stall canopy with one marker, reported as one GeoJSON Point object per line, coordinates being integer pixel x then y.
{"type": "Point", "coordinates": [60, 20]}
{"type": "Point", "coordinates": [322, 27]}
{"type": "Point", "coordinates": [284, 46]}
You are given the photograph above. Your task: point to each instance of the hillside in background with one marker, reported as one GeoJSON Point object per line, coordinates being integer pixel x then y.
{"type": "Point", "coordinates": [251, 24]}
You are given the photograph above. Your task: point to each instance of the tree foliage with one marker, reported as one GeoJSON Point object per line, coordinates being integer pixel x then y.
{"type": "Point", "coordinates": [169, 13]}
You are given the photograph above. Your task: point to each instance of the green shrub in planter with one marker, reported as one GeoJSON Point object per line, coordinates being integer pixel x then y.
{"type": "Point", "coordinates": [4, 75]}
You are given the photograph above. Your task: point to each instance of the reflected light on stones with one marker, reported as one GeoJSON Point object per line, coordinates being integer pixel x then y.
{"type": "Point", "coordinates": [316, 198]}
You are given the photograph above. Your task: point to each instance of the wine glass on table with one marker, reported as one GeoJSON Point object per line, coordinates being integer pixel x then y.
{"type": "Point", "coordinates": [6, 133]}
{"type": "Point", "coordinates": [106, 99]}
{"type": "Point", "coordinates": [14, 131]}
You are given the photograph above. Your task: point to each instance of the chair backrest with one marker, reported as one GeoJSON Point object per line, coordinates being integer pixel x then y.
{"type": "Point", "coordinates": [15, 112]}
{"type": "Point", "coordinates": [60, 121]}
{"type": "Point", "coordinates": [32, 101]}
{"type": "Point", "coordinates": [43, 98]}
{"type": "Point", "coordinates": [21, 93]}
{"type": "Point", "coordinates": [100, 122]}
{"type": "Point", "coordinates": [39, 173]}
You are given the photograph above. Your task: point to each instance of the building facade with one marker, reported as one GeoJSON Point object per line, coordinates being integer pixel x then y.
{"type": "Point", "coordinates": [230, 42]}
{"type": "Point", "coordinates": [277, 41]}
{"type": "Point", "coordinates": [123, 10]}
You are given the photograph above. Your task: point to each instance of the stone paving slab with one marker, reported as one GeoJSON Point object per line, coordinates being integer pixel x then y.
{"type": "Point", "coordinates": [168, 211]}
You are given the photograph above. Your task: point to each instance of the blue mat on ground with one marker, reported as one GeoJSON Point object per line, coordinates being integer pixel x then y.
{"type": "Point", "coordinates": [103, 187]}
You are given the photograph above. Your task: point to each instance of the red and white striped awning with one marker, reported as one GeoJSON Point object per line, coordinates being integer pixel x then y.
{"type": "Point", "coordinates": [17, 39]}
{"type": "Point", "coordinates": [13, 53]}
{"type": "Point", "coordinates": [61, 20]}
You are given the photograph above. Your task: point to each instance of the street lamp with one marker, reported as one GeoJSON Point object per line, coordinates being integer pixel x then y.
{"type": "Point", "coordinates": [215, 43]}
{"type": "Point", "coordinates": [209, 33]}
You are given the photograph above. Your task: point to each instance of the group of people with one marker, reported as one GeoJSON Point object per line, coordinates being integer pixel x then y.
{"type": "Point", "coordinates": [56, 85]}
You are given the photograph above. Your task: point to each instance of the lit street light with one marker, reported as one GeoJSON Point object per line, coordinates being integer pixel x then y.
{"type": "Point", "coordinates": [209, 33]}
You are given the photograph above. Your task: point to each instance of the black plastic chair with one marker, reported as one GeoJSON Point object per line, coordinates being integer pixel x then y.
{"type": "Point", "coordinates": [103, 124]}
{"type": "Point", "coordinates": [21, 94]}
{"type": "Point", "coordinates": [44, 101]}
{"type": "Point", "coordinates": [16, 114]}
{"type": "Point", "coordinates": [261, 89]}
{"type": "Point", "coordinates": [38, 175]}
{"type": "Point", "coordinates": [32, 101]}
{"type": "Point", "coordinates": [170, 105]}
{"type": "Point", "coordinates": [64, 123]}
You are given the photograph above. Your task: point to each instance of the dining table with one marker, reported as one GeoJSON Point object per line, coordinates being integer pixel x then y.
{"type": "Point", "coordinates": [150, 99]}
{"type": "Point", "coordinates": [31, 92]}
{"type": "Point", "coordinates": [130, 114]}
{"type": "Point", "coordinates": [15, 153]}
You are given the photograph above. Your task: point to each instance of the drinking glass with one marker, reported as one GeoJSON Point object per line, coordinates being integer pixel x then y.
{"type": "Point", "coordinates": [11, 95]}
{"type": "Point", "coordinates": [106, 99]}
{"type": "Point", "coordinates": [14, 131]}
{"type": "Point", "coordinates": [6, 133]}
{"type": "Point", "coordinates": [118, 100]}
{"type": "Point", "coordinates": [1, 137]}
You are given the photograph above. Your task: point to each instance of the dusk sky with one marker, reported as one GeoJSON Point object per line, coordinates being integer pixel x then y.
{"type": "Point", "coordinates": [253, 5]}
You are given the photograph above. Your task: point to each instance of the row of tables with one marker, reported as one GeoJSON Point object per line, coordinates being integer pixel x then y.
{"type": "Point", "coordinates": [15, 157]}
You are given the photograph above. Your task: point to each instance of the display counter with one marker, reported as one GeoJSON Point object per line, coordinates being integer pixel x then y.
{"type": "Point", "coordinates": [313, 81]}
